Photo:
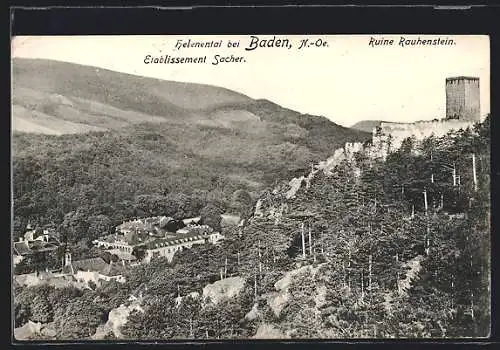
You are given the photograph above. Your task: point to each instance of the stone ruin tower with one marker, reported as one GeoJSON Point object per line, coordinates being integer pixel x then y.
{"type": "Point", "coordinates": [462, 99]}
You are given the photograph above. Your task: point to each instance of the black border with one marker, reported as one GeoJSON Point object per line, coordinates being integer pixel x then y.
{"type": "Point", "coordinates": [273, 20]}
{"type": "Point", "coordinates": [258, 20]}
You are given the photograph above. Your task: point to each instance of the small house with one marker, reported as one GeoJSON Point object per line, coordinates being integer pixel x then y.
{"type": "Point", "coordinates": [93, 269]}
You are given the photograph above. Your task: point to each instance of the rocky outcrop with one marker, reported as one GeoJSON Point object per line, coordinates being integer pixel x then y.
{"type": "Point", "coordinates": [279, 299]}
{"type": "Point", "coordinates": [224, 289]}
{"type": "Point", "coordinates": [29, 331]}
{"type": "Point", "coordinates": [254, 313]}
{"type": "Point", "coordinates": [35, 331]}
{"type": "Point", "coordinates": [269, 331]}
{"type": "Point", "coordinates": [116, 319]}
{"type": "Point", "coordinates": [412, 274]}
{"type": "Point", "coordinates": [295, 184]}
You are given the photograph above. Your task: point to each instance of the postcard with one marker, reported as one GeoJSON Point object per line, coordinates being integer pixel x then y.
{"type": "Point", "coordinates": [195, 187]}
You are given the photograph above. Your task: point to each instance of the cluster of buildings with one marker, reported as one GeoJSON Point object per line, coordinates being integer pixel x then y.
{"type": "Point", "coordinates": [133, 241]}
{"type": "Point", "coordinates": [35, 241]}
{"type": "Point", "coordinates": [157, 237]}
{"type": "Point", "coordinates": [76, 273]}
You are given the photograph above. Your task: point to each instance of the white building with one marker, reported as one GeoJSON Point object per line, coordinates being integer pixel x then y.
{"type": "Point", "coordinates": [168, 247]}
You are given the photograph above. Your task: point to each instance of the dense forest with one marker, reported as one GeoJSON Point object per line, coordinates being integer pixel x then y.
{"type": "Point", "coordinates": [401, 250]}
{"type": "Point", "coordinates": [103, 178]}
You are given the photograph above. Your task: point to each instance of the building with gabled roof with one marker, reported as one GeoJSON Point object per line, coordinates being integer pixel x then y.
{"type": "Point", "coordinates": [30, 244]}
{"type": "Point", "coordinates": [92, 264]}
{"type": "Point", "coordinates": [122, 255]}
{"type": "Point", "coordinates": [22, 248]}
{"type": "Point", "coordinates": [93, 269]}
{"type": "Point", "coordinates": [50, 278]}
{"type": "Point", "coordinates": [167, 247]}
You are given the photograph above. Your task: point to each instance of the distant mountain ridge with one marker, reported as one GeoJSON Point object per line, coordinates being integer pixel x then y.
{"type": "Point", "coordinates": [366, 125]}
{"type": "Point", "coordinates": [66, 98]}
{"type": "Point", "coordinates": [55, 97]}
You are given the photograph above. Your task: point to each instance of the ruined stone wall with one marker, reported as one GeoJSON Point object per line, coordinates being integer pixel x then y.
{"type": "Point", "coordinates": [420, 130]}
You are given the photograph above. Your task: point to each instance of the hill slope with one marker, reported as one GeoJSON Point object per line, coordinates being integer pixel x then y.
{"type": "Point", "coordinates": [116, 136]}
{"type": "Point", "coordinates": [68, 98]}
{"type": "Point", "coordinates": [99, 98]}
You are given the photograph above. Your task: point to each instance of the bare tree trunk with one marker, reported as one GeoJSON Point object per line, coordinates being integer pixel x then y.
{"type": "Point", "coordinates": [345, 274]}
{"type": "Point", "coordinates": [310, 241]}
{"type": "Point", "coordinates": [370, 276]}
{"type": "Point", "coordinates": [474, 174]}
{"type": "Point", "coordinates": [427, 239]}
{"type": "Point", "coordinates": [303, 242]}
{"type": "Point", "coordinates": [362, 286]}
{"type": "Point", "coordinates": [452, 290]}
{"type": "Point", "coordinates": [425, 201]}
{"type": "Point", "coordinates": [225, 268]}
{"type": "Point", "coordinates": [255, 284]}
{"type": "Point", "coordinates": [260, 260]}
{"type": "Point", "coordinates": [454, 176]}
{"type": "Point", "coordinates": [397, 274]}
{"type": "Point", "coordinates": [472, 305]}
{"type": "Point", "coordinates": [349, 271]}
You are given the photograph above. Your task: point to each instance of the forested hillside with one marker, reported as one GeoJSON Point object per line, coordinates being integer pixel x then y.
{"type": "Point", "coordinates": [121, 146]}
{"type": "Point", "coordinates": [400, 250]}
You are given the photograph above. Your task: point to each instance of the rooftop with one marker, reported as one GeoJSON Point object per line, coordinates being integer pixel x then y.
{"type": "Point", "coordinates": [29, 247]}
{"type": "Point", "coordinates": [114, 269]}
{"type": "Point", "coordinates": [144, 224]}
{"type": "Point", "coordinates": [189, 231]}
{"type": "Point", "coordinates": [163, 242]}
{"type": "Point", "coordinates": [122, 255]}
{"type": "Point", "coordinates": [92, 264]}
{"type": "Point", "coordinates": [97, 265]}
{"type": "Point", "coordinates": [119, 239]}
{"type": "Point", "coordinates": [22, 248]}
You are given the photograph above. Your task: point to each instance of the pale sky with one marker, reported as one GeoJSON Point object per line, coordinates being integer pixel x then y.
{"type": "Point", "coordinates": [347, 81]}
